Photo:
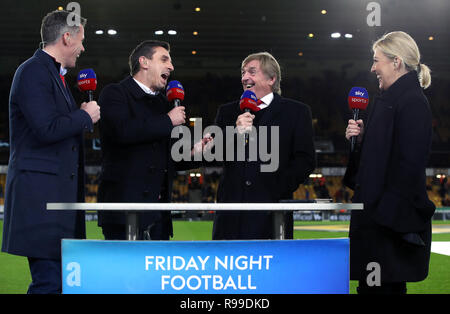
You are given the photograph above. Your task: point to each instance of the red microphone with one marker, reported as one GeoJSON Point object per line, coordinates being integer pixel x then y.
{"type": "Point", "coordinates": [87, 82]}
{"type": "Point", "coordinates": [175, 93]}
{"type": "Point", "coordinates": [248, 102]}
{"type": "Point", "coordinates": [358, 99]}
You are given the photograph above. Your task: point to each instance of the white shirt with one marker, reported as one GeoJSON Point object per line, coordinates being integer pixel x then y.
{"type": "Point", "coordinates": [62, 71]}
{"type": "Point", "coordinates": [145, 88]}
{"type": "Point", "coordinates": [267, 100]}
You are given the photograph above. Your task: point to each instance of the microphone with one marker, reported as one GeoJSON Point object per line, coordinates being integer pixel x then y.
{"type": "Point", "coordinates": [175, 93]}
{"type": "Point", "coordinates": [248, 102]}
{"type": "Point", "coordinates": [358, 99]}
{"type": "Point", "coordinates": [87, 82]}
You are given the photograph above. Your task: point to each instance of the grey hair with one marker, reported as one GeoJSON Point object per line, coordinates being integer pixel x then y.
{"type": "Point", "coordinates": [54, 25]}
{"type": "Point", "coordinates": [269, 66]}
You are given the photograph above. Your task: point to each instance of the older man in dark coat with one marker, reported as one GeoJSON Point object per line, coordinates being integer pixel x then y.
{"type": "Point", "coordinates": [248, 181]}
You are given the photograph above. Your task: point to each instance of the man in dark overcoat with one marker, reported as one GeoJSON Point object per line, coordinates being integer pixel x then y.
{"type": "Point", "coordinates": [46, 161]}
{"type": "Point", "coordinates": [257, 180]}
{"type": "Point", "coordinates": [136, 138]}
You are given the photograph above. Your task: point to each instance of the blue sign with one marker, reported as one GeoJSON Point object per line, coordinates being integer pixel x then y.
{"type": "Point", "coordinates": [206, 267]}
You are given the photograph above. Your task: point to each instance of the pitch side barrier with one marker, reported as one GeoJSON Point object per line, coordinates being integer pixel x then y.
{"type": "Point", "coordinates": [258, 267]}
{"type": "Point", "coordinates": [278, 210]}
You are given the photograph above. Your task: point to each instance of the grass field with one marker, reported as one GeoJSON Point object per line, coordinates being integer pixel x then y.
{"type": "Point", "coordinates": [15, 277]}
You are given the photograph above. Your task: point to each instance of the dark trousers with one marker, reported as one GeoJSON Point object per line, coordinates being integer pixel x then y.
{"type": "Point", "coordinates": [45, 276]}
{"type": "Point", "coordinates": [118, 232]}
{"type": "Point", "coordinates": [384, 288]}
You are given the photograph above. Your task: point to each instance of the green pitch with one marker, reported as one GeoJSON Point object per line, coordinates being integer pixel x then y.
{"type": "Point", "coordinates": [15, 276]}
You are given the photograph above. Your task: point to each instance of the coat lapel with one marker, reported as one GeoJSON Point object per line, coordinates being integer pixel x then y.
{"type": "Point", "coordinates": [54, 74]}
{"type": "Point", "coordinates": [64, 91]}
{"type": "Point", "coordinates": [271, 111]}
{"type": "Point", "coordinates": [73, 102]}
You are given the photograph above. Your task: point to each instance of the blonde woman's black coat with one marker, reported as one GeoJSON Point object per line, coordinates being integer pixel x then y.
{"type": "Point", "coordinates": [388, 176]}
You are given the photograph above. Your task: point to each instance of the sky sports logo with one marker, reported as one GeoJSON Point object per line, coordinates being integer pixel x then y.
{"type": "Point", "coordinates": [86, 74]}
{"type": "Point", "coordinates": [358, 98]}
{"type": "Point", "coordinates": [359, 93]}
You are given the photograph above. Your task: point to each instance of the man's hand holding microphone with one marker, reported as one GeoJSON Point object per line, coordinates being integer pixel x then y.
{"type": "Point", "coordinates": [177, 115]}
{"type": "Point", "coordinates": [248, 105]}
{"type": "Point", "coordinates": [92, 109]}
{"type": "Point", "coordinates": [87, 82]}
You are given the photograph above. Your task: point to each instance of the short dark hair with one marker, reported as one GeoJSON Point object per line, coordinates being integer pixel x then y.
{"type": "Point", "coordinates": [146, 49]}
{"type": "Point", "coordinates": [54, 24]}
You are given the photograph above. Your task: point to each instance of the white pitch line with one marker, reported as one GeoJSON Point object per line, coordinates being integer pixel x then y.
{"type": "Point", "coordinates": [441, 247]}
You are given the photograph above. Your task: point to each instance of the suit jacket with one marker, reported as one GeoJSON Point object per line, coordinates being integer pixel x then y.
{"type": "Point", "coordinates": [136, 165]}
{"type": "Point", "coordinates": [244, 182]}
{"type": "Point", "coordinates": [46, 161]}
{"type": "Point", "coordinates": [388, 176]}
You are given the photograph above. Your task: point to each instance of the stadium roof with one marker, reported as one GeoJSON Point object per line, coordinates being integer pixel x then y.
{"type": "Point", "coordinates": [228, 30]}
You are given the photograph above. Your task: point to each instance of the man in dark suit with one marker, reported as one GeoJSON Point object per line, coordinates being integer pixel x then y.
{"type": "Point", "coordinates": [46, 153]}
{"type": "Point", "coordinates": [135, 136]}
{"type": "Point", "coordinates": [246, 181]}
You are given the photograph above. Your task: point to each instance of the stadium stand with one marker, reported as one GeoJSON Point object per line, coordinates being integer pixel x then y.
{"type": "Point", "coordinates": [320, 187]}
{"type": "Point", "coordinates": [330, 113]}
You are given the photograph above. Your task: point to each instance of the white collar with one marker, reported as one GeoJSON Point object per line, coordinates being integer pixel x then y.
{"type": "Point", "coordinates": [62, 71]}
{"type": "Point", "coordinates": [267, 100]}
{"type": "Point", "coordinates": [146, 89]}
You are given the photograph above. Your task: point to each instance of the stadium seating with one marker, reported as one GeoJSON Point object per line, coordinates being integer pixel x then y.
{"type": "Point", "coordinates": [312, 189]}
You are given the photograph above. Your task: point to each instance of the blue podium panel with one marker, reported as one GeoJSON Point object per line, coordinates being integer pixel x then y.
{"type": "Point", "coordinates": [206, 267]}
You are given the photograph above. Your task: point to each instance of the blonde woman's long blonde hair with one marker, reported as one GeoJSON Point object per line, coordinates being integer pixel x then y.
{"type": "Point", "coordinates": [401, 45]}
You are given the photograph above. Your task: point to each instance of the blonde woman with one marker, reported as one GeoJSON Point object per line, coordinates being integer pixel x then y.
{"type": "Point", "coordinates": [387, 173]}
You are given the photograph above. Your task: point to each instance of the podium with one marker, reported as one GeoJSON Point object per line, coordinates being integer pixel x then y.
{"type": "Point", "coordinates": [205, 267]}
{"type": "Point", "coordinates": [131, 210]}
